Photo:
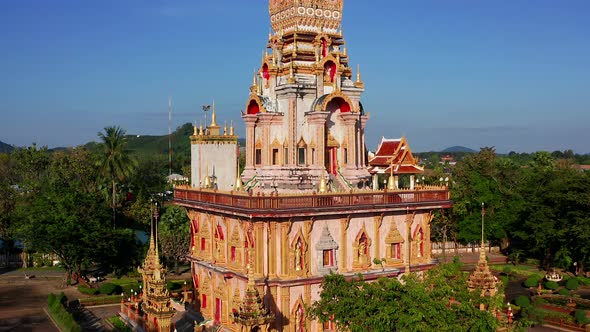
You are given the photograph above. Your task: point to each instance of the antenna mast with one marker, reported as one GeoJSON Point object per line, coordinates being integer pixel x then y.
{"type": "Point", "coordinates": [169, 135]}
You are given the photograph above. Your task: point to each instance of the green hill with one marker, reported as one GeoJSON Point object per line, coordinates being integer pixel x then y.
{"type": "Point", "coordinates": [458, 149]}
{"type": "Point", "coordinates": [152, 146]}
{"type": "Point", "coordinates": [5, 148]}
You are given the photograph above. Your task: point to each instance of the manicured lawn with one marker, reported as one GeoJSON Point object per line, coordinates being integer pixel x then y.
{"type": "Point", "coordinates": [523, 270]}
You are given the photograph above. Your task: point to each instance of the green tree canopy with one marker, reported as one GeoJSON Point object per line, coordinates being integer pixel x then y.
{"type": "Point", "coordinates": [439, 301]}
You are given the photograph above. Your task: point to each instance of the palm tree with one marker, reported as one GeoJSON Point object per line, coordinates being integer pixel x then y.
{"type": "Point", "coordinates": [115, 162]}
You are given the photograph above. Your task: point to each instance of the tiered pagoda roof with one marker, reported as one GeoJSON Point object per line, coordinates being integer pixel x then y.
{"type": "Point", "coordinates": [394, 156]}
{"type": "Point", "coordinates": [156, 302]}
{"type": "Point", "coordinates": [253, 312]}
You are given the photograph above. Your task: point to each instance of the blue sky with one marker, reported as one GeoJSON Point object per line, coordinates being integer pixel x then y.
{"type": "Point", "coordinates": [514, 74]}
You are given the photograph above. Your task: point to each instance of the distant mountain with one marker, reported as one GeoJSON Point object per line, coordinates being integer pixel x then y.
{"type": "Point", "coordinates": [458, 149]}
{"type": "Point", "coordinates": [5, 148]}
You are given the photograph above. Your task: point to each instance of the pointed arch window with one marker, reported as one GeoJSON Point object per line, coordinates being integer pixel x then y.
{"type": "Point", "coordinates": [301, 152]}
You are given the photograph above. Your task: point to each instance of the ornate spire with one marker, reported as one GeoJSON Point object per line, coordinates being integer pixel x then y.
{"type": "Point", "coordinates": [239, 185]}
{"type": "Point", "coordinates": [156, 302]}
{"type": "Point", "coordinates": [323, 186]}
{"type": "Point", "coordinates": [482, 278]}
{"type": "Point", "coordinates": [359, 84]}
{"type": "Point", "coordinates": [253, 312]}
{"type": "Point", "coordinates": [231, 128]}
{"type": "Point", "coordinates": [213, 116]}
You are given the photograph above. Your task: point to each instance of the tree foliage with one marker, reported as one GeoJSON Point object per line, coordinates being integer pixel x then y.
{"type": "Point", "coordinates": [536, 206]}
{"type": "Point", "coordinates": [438, 301]}
{"type": "Point", "coordinates": [174, 234]}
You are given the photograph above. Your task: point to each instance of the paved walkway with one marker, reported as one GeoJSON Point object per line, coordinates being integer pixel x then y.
{"type": "Point", "coordinates": [22, 301]}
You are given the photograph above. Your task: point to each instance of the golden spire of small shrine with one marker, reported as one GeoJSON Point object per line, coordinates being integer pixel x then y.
{"type": "Point", "coordinates": [253, 313]}
{"type": "Point", "coordinates": [213, 116]}
{"type": "Point", "coordinates": [323, 186]}
{"type": "Point", "coordinates": [239, 185]}
{"type": "Point", "coordinates": [231, 128]}
{"type": "Point", "coordinates": [359, 84]}
{"type": "Point", "coordinates": [225, 128]}
{"type": "Point", "coordinates": [201, 128]}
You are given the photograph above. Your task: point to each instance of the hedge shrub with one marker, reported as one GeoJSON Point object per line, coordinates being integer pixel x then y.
{"type": "Point", "coordinates": [552, 285]}
{"type": "Point", "coordinates": [564, 292]}
{"type": "Point", "coordinates": [581, 317]}
{"type": "Point", "coordinates": [60, 315]}
{"type": "Point", "coordinates": [522, 301]}
{"type": "Point", "coordinates": [532, 281]}
{"type": "Point", "coordinates": [572, 284]}
{"type": "Point", "coordinates": [87, 290]}
{"type": "Point", "coordinates": [109, 289]}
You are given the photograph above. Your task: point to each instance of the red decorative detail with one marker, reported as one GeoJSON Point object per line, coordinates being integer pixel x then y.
{"type": "Point", "coordinates": [265, 73]}
{"type": "Point", "coordinates": [324, 47]}
{"type": "Point", "coordinates": [253, 107]}
{"type": "Point", "coordinates": [342, 105]}
{"type": "Point", "coordinates": [203, 243]}
{"type": "Point", "coordinates": [233, 254]}
{"type": "Point", "coordinates": [218, 310]}
{"type": "Point", "coordinates": [219, 233]}
{"type": "Point", "coordinates": [204, 301]}
{"type": "Point", "coordinates": [330, 68]}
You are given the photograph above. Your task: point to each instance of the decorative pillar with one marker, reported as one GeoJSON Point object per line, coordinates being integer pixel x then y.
{"type": "Point", "coordinates": [318, 120]}
{"type": "Point", "coordinates": [292, 130]}
{"type": "Point", "coordinates": [285, 306]}
{"type": "Point", "coordinates": [364, 119]}
{"type": "Point", "coordinates": [344, 223]}
{"type": "Point", "coordinates": [412, 181]}
{"type": "Point", "coordinates": [284, 249]}
{"type": "Point", "coordinates": [250, 121]}
{"type": "Point", "coordinates": [272, 251]}
{"type": "Point", "coordinates": [265, 120]}
{"type": "Point", "coordinates": [259, 244]}
{"type": "Point", "coordinates": [378, 223]}
{"type": "Point", "coordinates": [350, 120]}
{"type": "Point", "coordinates": [408, 240]}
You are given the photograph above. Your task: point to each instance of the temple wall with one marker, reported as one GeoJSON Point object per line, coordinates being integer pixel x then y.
{"type": "Point", "coordinates": [220, 158]}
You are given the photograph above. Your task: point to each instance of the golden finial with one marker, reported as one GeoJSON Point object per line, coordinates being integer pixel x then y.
{"type": "Point", "coordinates": [359, 84]}
{"type": "Point", "coordinates": [213, 116]}
{"type": "Point", "coordinates": [195, 130]}
{"type": "Point", "coordinates": [323, 187]}
{"type": "Point", "coordinates": [239, 184]}
{"type": "Point", "coordinates": [254, 88]}
{"type": "Point", "coordinates": [207, 179]}
{"type": "Point", "coordinates": [391, 180]}
{"type": "Point", "coordinates": [225, 128]}
{"type": "Point", "coordinates": [231, 128]}
{"type": "Point", "coordinates": [201, 132]}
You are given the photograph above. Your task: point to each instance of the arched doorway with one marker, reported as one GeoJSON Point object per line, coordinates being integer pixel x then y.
{"type": "Point", "coordinates": [333, 127]}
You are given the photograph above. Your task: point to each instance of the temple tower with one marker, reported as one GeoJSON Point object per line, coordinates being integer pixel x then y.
{"type": "Point", "coordinates": [214, 155]}
{"type": "Point", "coordinates": [156, 303]}
{"type": "Point", "coordinates": [304, 118]}
{"type": "Point", "coordinates": [482, 278]}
